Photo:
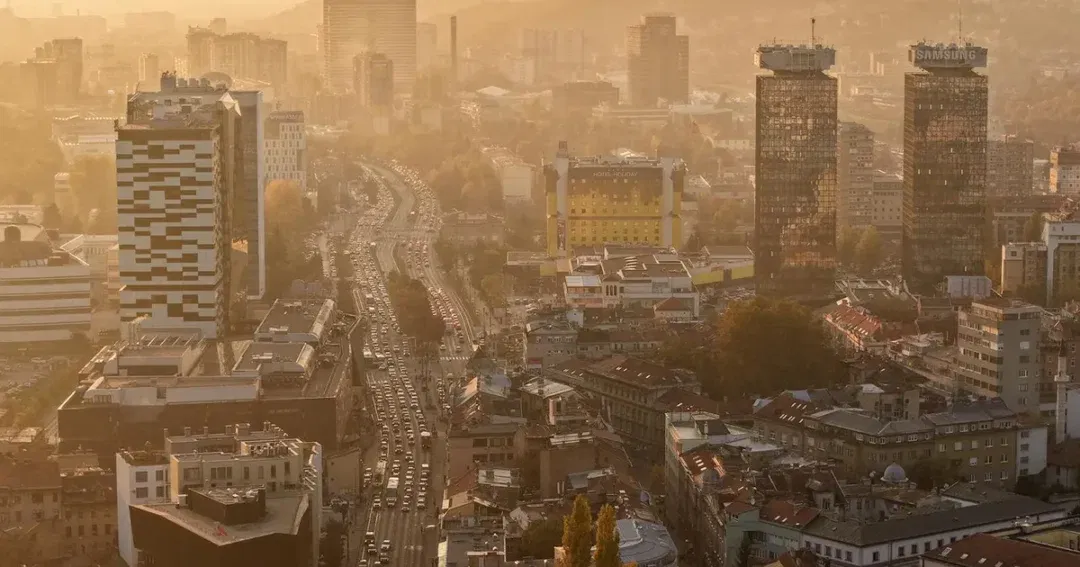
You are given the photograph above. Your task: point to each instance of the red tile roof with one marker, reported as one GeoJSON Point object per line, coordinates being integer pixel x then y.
{"type": "Point", "coordinates": [982, 550]}
{"type": "Point", "coordinates": [788, 514]}
{"type": "Point", "coordinates": [855, 320]}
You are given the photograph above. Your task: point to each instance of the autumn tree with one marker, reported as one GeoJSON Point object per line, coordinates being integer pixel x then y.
{"type": "Point", "coordinates": [538, 541]}
{"type": "Point", "coordinates": [577, 534]}
{"type": "Point", "coordinates": [868, 252]}
{"type": "Point", "coordinates": [286, 206]}
{"type": "Point", "coordinates": [607, 539]}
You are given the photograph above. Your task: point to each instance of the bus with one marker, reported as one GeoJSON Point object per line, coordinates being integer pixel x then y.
{"type": "Point", "coordinates": [425, 439]}
{"type": "Point", "coordinates": [391, 495]}
{"type": "Point", "coordinates": [380, 472]}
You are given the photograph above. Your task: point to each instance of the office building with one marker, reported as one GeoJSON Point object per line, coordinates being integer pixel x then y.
{"type": "Point", "coordinates": [1010, 163]}
{"type": "Point", "coordinates": [238, 498]}
{"type": "Point", "coordinates": [373, 80]}
{"type": "Point", "coordinates": [1065, 170]}
{"type": "Point", "coordinates": [945, 122]}
{"type": "Point", "coordinates": [515, 176]}
{"type": "Point", "coordinates": [795, 217]}
{"type": "Point", "coordinates": [1061, 235]}
{"type": "Point", "coordinates": [149, 70]}
{"type": "Point", "coordinates": [286, 147]}
{"type": "Point", "coordinates": [555, 54]}
{"type": "Point", "coordinates": [200, 51]}
{"type": "Point", "coordinates": [855, 176]}
{"type": "Point", "coordinates": [998, 352]}
{"type": "Point", "coordinates": [351, 27]}
{"type": "Point", "coordinates": [44, 290]}
{"type": "Point", "coordinates": [177, 179]}
{"type": "Point", "coordinates": [612, 200]}
{"type": "Point", "coordinates": [427, 45]}
{"type": "Point", "coordinates": [248, 222]}
{"type": "Point", "coordinates": [583, 95]}
{"type": "Point", "coordinates": [657, 62]}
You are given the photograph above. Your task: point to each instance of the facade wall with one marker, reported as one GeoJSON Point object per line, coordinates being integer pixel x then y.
{"type": "Point", "coordinates": [40, 304]}
{"type": "Point", "coordinates": [286, 148]}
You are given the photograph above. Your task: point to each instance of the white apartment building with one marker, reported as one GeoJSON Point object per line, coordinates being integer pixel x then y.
{"type": "Point", "coordinates": [44, 291]}
{"type": "Point", "coordinates": [285, 147]}
{"type": "Point", "coordinates": [351, 27]}
{"type": "Point", "coordinates": [173, 187]}
{"type": "Point", "coordinates": [236, 459]}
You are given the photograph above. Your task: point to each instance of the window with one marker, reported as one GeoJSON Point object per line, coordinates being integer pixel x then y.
{"type": "Point", "coordinates": [914, 549]}
{"type": "Point", "coordinates": [82, 531]}
{"type": "Point", "coordinates": [877, 556]}
{"type": "Point", "coordinates": [1004, 475]}
{"type": "Point", "coordinates": [941, 447]}
{"type": "Point", "coordinates": [1004, 457]}
{"type": "Point", "coordinates": [160, 492]}
{"type": "Point", "coordinates": [988, 476]}
{"type": "Point", "coordinates": [926, 546]}
{"type": "Point", "coordinates": [67, 531]}
{"type": "Point", "coordinates": [141, 476]}
{"type": "Point", "coordinates": [988, 443]}
{"type": "Point", "coordinates": [273, 471]}
{"type": "Point", "coordinates": [958, 446]}
{"type": "Point", "coordinates": [141, 492]}
{"type": "Point", "coordinates": [1025, 434]}
{"type": "Point", "coordinates": [108, 529]}
{"type": "Point", "coordinates": [828, 551]}
{"type": "Point", "coordinates": [159, 475]}
{"type": "Point", "coordinates": [1004, 441]}
{"type": "Point", "coordinates": [847, 556]}
{"type": "Point", "coordinates": [989, 460]}
{"type": "Point", "coordinates": [974, 444]}
{"type": "Point", "coordinates": [1024, 447]}
{"type": "Point", "coordinates": [247, 473]}
{"type": "Point", "coordinates": [93, 529]}
{"type": "Point", "coordinates": [901, 551]}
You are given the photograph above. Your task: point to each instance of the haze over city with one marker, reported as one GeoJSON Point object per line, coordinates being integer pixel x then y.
{"type": "Point", "coordinates": [539, 283]}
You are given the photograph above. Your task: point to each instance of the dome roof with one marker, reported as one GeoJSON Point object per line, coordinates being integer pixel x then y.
{"type": "Point", "coordinates": [894, 474]}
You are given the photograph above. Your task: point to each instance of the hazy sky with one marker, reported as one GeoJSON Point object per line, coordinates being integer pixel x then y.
{"type": "Point", "coordinates": [183, 8]}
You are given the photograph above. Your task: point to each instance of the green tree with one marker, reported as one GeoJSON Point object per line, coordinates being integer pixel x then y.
{"type": "Point", "coordinates": [577, 534]}
{"type": "Point", "coordinates": [50, 217]}
{"type": "Point", "coordinates": [743, 353]}
{"type": "Point", "coordinates": [868, 253]}
{"type": "Point", "coordinates": [493, 286]}
{"type": "Point", "coordinates": [539, 540]}
{"type": "Point", "coordinates": [607, 539]}
{"type": "Point", "coordinates": [846, 242]}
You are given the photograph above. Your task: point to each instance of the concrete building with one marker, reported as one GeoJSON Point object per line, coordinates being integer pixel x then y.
{"type": "Point", "coordinates": [247, 221]}
{"type": "Point", "coordinates": [46, 295]}
{"type": "Point", "coordinates": [796, 157]}
{"type": "Point", "coordinates": [1061, 235]}
{"type": "Point", "coordinates": [1010, 167]}
{"type": "Point", "coordinates": [515, 176]}
{"type": "Point", "coordinates": [285, 142]}
{"type": "Point", "coordinates": [1065, 170]}
{"type": "Point", "coordinates": [236, 498]}
{"type": "Point", "coordinates": [427, 45]}
{"type": "Point", "coordinates": [1023, 264]}
{"type": "Point", "coordinates": [855, 176]}
{"type": "Point", "coordinates": [887, 216]}
{"type": "Point", "coordinates": [373, 80]}
{"type": "Point", "coordinates": [350, 27]}
{"type": "Point", "coordinates": [149, 69]}
{"type": "Point", "coordinates": [583, 95]}
{"type": "Point", "coordinates": [554, 54]}
{"type": "Point", "coordinates": [944, 224]}
{"type": "Point", "coordinates": [657, 62]}
{"type": "Point", "coordinates": [238, 55]}
{"type": "Point", "coordinates": [983, 549]}
{"type": "Point", "coordinates": [633, 283]}
{"type": "Point", "coordinates": [178, 378]}
{"type": "Point", "coordinates": [998, 354]}
{"type": "Point", "coordinates": [611, 200]}
{"type": "Point", "coordinates": [176, 246]}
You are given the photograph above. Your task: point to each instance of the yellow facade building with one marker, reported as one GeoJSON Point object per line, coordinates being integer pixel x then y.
{"type": "Point", "coordinates": [612, 200]}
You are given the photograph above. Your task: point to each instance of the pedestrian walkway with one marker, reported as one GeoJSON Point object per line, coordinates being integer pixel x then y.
{"type": "Point", "coordinates": [456, 357]}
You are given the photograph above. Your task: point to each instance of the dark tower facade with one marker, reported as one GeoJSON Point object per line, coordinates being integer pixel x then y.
{"type": "Point", "coordinates": [945, 114]}
{"type": "Point", "coordinates": [795, 204]}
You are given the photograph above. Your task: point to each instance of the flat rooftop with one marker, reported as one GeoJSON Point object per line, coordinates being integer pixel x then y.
{"type": "Point", "coordinates": [296, 316]}
{"type": "Point", "coordinates": [258, 354]}
{"type": "Point", "coordinates": [283, 514]}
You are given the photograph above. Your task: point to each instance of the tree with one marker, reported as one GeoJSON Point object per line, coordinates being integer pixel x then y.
{"type": "Point", "coordinates": [868, 253]}
{"type": "Point", "coordinates": [93, 185]}
{"type": "Point", "coordinates": [577, 534]}
{"type": "Point", "coordinates": [493, 286]}
{"type": "Point", "coordinates": [540, 538]}
{"type": "Point", "coordinates": [846, 243]}
{"type": "Point", "coordinates": [286, 205]}
{"type": "Point", "coordinates": [50, 217]}
{"type": "Point", "coordinates": [1033, 228]}
{"type": "Point", "coordinates": [607, 539]}
{"type": "Point", "coordinates": [743, 351]}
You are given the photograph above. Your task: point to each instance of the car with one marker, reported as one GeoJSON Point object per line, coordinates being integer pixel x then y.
{"type": "Point", "coordinates": [386, 546]}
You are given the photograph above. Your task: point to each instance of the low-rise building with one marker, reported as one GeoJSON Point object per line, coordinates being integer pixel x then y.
{"type": "Point", "coordinates": [46, 291]}
{"type": "Point", "coordinates": [984, 549]}
{"type": "Point", "coordinates": [632, 282]}
{"type": "Point", "coordinates": [1023, 265]}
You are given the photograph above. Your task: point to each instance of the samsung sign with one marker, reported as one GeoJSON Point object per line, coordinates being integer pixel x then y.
{"type": "Point", "coordinates": [949, 56]}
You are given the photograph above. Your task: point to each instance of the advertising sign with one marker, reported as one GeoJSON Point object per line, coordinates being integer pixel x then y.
{"type": "Point", "coordinates": [948, 56]}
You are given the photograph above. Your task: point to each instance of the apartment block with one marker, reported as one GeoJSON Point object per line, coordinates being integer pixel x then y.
{"type": "Point", "coordinates": [998, 352]}
{"type": "Point", "coordinates": [221, 498]}
{"type": "Point", "coordinates": [887, 216]}
{"type": "Point", "coordinates": [1061, 234]}
{"type": "Point", "coordinates": [855, 176]}
{"type": "Point", "coordinates": [351, 27]}
{"type": "Point", "coordinates": [285, 141]}
{"type": "Point", "coordinates": [373, 80]}
{"type": "Point", "coordinates": [238, 55]}
{"type": "Point", "coordinates": [657, 62]}
{"type": "Point", "coordinates": [1065, 170]}
{"type": "Point", "coordinates": [1023, 265]}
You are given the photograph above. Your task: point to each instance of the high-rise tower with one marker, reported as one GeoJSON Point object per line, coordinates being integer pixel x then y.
{"type": "Point", "coordinates": [351, 27]}
{"type": "Point", "coordinates": [945, 111]}
{"type": "Point", "coordinates": [657, 61]}
{"type": "Point", "coordinates": [795, 204]}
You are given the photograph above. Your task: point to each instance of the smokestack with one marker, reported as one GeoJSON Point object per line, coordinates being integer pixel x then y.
{"type": "Point", "coordinates": [453, 49]}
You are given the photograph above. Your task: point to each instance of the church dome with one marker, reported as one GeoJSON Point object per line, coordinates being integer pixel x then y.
{"type": "Point", "coordinates": [894, 474]}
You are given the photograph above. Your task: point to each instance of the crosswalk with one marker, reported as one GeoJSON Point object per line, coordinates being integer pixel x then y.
{"type": "Point", "coordinates": [456, 357]}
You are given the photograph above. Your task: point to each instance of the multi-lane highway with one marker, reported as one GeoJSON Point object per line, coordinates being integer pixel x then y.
{"type": "Point", "coordinates": [396, 526]}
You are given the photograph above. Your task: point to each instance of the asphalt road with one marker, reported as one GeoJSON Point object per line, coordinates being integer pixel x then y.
{"type": "Point", "coordinates": [409, 528]}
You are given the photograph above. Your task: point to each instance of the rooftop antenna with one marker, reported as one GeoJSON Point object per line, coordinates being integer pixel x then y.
{"type": "Point", "coordinates": [959, 22]}
{"type": "Point", "coordinates": [813, 32]}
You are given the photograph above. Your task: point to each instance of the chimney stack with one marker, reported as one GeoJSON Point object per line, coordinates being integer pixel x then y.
{"type": "Point", "coordinates": [453, 50]}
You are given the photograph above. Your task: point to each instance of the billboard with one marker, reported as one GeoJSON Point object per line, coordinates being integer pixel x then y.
{"type": "Point", "coordinates": [928, 56]}
{"type": "Point", "coordinates": [615, 173]}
